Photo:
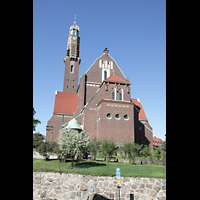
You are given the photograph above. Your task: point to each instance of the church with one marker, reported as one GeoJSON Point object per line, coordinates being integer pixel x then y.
{"type": "Point", "coordinates": [100, 102]}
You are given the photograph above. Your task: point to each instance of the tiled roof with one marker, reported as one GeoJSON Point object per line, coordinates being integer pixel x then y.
{"type": "Point", "coordinates": [157, 139]}
{"type": "Point", "coordinates": [65, 103]}
{"type": "Point", "coordinates": [116, 78]}
{"type": "Point", "coordinates": [142, 115]}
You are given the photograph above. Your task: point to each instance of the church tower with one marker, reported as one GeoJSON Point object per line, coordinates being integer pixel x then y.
{"type": "Point", "coordinates": [72, 60]}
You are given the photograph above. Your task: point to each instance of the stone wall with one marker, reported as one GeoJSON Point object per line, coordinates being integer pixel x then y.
{"type": "Point", "coordinates": [47, 185]}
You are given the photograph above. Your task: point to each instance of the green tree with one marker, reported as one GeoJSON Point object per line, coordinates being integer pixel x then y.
{"type": "Point", "coordinates": [72, 143]}
{"type": "Point", "coordinates": [145, 151]}
{"type": "Point", "coordinates": [37, 139]}
{"type": "Point", "coordinates": [163, 150]}
{"type": "Point", "coordinates": [156, 153]}
{"type": "Point", "coordinates": [131, 149]}
{"type": "Point", "coordinates": [108, 148]}
{"type": "Point", "coordinates": [94, 146]}
{"type": "Point", "coordinates": [35, 121]}
{"type": "Point", "coordinates": [47, 148]}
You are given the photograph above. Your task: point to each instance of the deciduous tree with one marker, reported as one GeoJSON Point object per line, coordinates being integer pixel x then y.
{"type": "Point", "coordinates": [72, 143]}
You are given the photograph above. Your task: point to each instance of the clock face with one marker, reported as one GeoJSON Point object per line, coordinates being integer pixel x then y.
{"type": "Point", "coordinates": [74, 38]}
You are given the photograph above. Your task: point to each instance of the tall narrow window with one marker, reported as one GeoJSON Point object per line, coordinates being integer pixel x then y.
{"type": "Point", "coordinates": [120, 96]}
{"type": "Point", "coordinates": [113, 95]}
{"type": "Point", "coordinates": [105, 75]}
{"type": "Point", "coordinates": [72, 69]}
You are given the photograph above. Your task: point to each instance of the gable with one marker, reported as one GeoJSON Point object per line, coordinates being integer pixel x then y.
{"type": "Point", "coordinates": [105, 64]}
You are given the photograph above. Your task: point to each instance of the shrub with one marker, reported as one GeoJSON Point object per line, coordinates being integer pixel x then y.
{"type": "Point", "coordinates": [46, 148]}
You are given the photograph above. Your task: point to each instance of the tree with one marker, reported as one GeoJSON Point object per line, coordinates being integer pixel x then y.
{"type": "Point", "coordinates": [72, 143]}
{"type": "Point", "coordinates": [37, 139]}
{"type": "Point", "coordinates": [46, 148]}
{"type": "Point", "coordinates": [156, 153]}
{"type": "Point", "coordinates": [145, 151]}
{"type": "Point", "coordinates": [163, 150]}
{"type": "Point", "coordinates": [94, 147]}
{"type": "Point", "coordinates": [35, 121]}
{"type": "Point", "coordinates": [108, 148]}
{"type": "Point", "coordinates": [131, 149]}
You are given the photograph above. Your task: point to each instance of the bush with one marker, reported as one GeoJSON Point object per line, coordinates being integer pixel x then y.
{"type": "Point", "coordinates": [46, 148]}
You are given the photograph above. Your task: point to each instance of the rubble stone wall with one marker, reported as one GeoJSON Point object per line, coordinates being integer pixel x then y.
{"type": "Point", "coordinates": [56, 186]}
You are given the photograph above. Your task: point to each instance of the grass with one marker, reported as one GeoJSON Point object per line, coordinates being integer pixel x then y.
{"type": "Point", "coordinates": [96, 168]}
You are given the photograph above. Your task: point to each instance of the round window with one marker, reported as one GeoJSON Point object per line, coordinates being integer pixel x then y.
{"type": "Point", "coordinates": [117, 116]}
{"type": "Point", "coordinates": [109, 116]}
{"type": "Point", "coordinates": [126, 117]}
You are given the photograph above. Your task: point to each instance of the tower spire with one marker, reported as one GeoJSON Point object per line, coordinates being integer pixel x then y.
{"type": "Point", "coordinates": [75, 19]}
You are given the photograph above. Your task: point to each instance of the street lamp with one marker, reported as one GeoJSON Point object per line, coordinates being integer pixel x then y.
{"type": "Point", "coordinates": [50, 128]}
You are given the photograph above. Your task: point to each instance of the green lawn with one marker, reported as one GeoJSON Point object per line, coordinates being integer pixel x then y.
{"type": "Point", "coordinates": [95, 168]}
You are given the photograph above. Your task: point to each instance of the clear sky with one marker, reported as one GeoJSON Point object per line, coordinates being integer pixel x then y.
{"type": "Point", "coordinates": [134, 31]}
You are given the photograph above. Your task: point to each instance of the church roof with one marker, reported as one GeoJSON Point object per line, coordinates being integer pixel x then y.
{"type": "Point", "coordinates": [65, 103]}
{"type": "Point", "coordinates": [115, 78]}
{"type": "Point", "coordinates": [73, 124]}
{"type": "Point", "coordinates": [142, 115]}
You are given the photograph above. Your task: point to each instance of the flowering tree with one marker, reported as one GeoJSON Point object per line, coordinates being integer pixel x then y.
{"type": "Point", "coordinates": [72, 143]}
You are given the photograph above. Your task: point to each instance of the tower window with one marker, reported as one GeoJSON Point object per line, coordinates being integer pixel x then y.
{"type": "Point", "coordinates": [72, 69]}
{"type": "Point", "coordinates": [105, 75]}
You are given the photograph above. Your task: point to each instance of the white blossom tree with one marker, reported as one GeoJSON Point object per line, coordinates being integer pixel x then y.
{"type": "Point", "coordinates": [72, 143]}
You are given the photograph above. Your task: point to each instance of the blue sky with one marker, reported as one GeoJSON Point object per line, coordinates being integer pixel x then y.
{"type": "Point", "coordinates": [134, 31]}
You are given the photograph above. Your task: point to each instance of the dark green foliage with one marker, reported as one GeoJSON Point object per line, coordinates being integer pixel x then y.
{"type": "Point", "coordinates": [37, 139]}
{"type": "Point", "coordinates": [131, 150]}
{"type": "Point", "coordinates": [94, 147]}
{"type": "Point", "coordinates": [145, 152]}
{"type": "Point", "coordinates": [46, 148]}
{"type": "Point", "coordinates": [35, 121]}
{"type": "Point", "coordinates": [108, 148]}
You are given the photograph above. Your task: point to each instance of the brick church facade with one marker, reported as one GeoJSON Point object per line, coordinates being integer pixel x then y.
{"type": "Point", "coordinates": [101, 103]}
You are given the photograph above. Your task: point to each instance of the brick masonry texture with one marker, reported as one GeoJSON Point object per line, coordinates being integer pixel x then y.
{"type": "Point", "coordinates": [47, 185]}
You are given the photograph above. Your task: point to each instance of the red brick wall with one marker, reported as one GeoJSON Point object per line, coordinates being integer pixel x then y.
{"type": "Point", "coordinates": [71, 76]}
{"type": "Point", "coordinates": [56, 122]}
{"type": "Point", "coordinates": [118, 129]}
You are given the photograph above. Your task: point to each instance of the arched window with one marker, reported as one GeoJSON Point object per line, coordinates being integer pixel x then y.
{"type": "Point", "coordinates": [72, 69]}
{"type": "Point", "coordinates": [113, 93]}
{"type": "Point", "coordinates": [105, 75]}
{"type": "Point", "coordinates": [120, 97]}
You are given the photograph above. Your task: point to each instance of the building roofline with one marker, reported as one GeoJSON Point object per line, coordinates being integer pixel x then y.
{"type": "Point", "coordinates": [111, 58]}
